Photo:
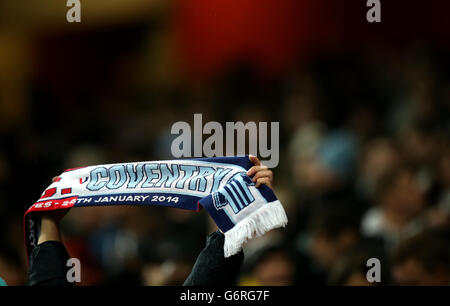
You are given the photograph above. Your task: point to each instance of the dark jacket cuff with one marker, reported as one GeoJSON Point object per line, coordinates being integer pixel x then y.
{"type": "Point", "coordinates": [212, 268]}
{"type": "Point", "coordinates": [48, 264]}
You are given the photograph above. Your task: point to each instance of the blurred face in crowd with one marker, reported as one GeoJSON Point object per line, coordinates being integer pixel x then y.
{"type": "Point", "coordinates": [378, 159]}
{"type": "Point", "coordinates": [405, 197]}
{"type": "Point", "coordinates": [276, 269]}
{"type": "Point", "coordinates": [412, 272]}
{"type": "Point", "coordinates": [12, 274]}
{"type": "Point", "coordinates": [314, 177]}
{"type": "Point", "coordinates": [419, 147]}
{"type": "Point", "coordinates": [327, 250]}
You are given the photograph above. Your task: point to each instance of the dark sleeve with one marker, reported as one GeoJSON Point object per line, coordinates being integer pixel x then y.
{"type": "Point", "coordinates": [212, 268]}
{"type": "Point", "coordinates": [48, 265]}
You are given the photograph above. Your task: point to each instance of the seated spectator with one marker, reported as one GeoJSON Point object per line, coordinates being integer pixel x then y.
{"type": "Point", "coordinates": [334, 232]}
{"type": "Point", "coordinates": [398, 214]}
{"type": "Point", "coordinates": [272, 266]}
{"type": "Point", "coordinates": [11, 270]}
{"type": "Point", "coordinates": [379, 156]}
{"type": "Point", "coordinates": [353, 270]}
{"type": "Point", "coordinates": [423, 260]}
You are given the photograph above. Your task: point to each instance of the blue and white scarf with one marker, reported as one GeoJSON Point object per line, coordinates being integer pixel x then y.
{"type": "Point", "coordinates": [220, 185]}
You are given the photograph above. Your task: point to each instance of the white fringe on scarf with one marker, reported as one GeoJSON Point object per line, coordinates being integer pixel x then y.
{"type": "Point", "coordinates": [268, 217]}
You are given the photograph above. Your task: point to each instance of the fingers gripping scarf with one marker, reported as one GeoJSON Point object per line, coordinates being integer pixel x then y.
{"type": "Point", "coordinates": [220, 185]}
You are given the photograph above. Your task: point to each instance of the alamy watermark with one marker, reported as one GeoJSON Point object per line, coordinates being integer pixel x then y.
{"type": "Point", "coordinates": [74, 13]}
{"type": "Point", "coordinates": [222, 140]}
{"type": "Point", "coordinates": [73, 275]}
{"type": "Point", "coordinates": [373, 275]}
{"type": "Point", "coordinates": [374, 13]}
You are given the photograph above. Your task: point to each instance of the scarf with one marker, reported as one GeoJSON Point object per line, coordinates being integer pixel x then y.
{"type": "Point", "coordinates": [219, 185]}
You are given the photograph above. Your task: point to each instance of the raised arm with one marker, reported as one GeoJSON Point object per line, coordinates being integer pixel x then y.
{"type": "Point", "coordinates": [211, 267]}
{"type": "Point", "coordinates": [48, 260]}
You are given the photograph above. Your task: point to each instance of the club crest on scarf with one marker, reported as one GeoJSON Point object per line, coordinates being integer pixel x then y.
{"type": "Point", "coordinates": [235, 193]}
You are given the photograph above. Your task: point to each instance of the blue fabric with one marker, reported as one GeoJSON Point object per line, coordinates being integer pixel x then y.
{"type": "Point", "coordinates": [338, 153]}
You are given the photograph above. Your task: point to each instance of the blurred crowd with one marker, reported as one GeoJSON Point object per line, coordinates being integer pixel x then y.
{"type": "Point", "coordinates": [364, 162]}
{"type": "Point", "coordinates": [365, 174]}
